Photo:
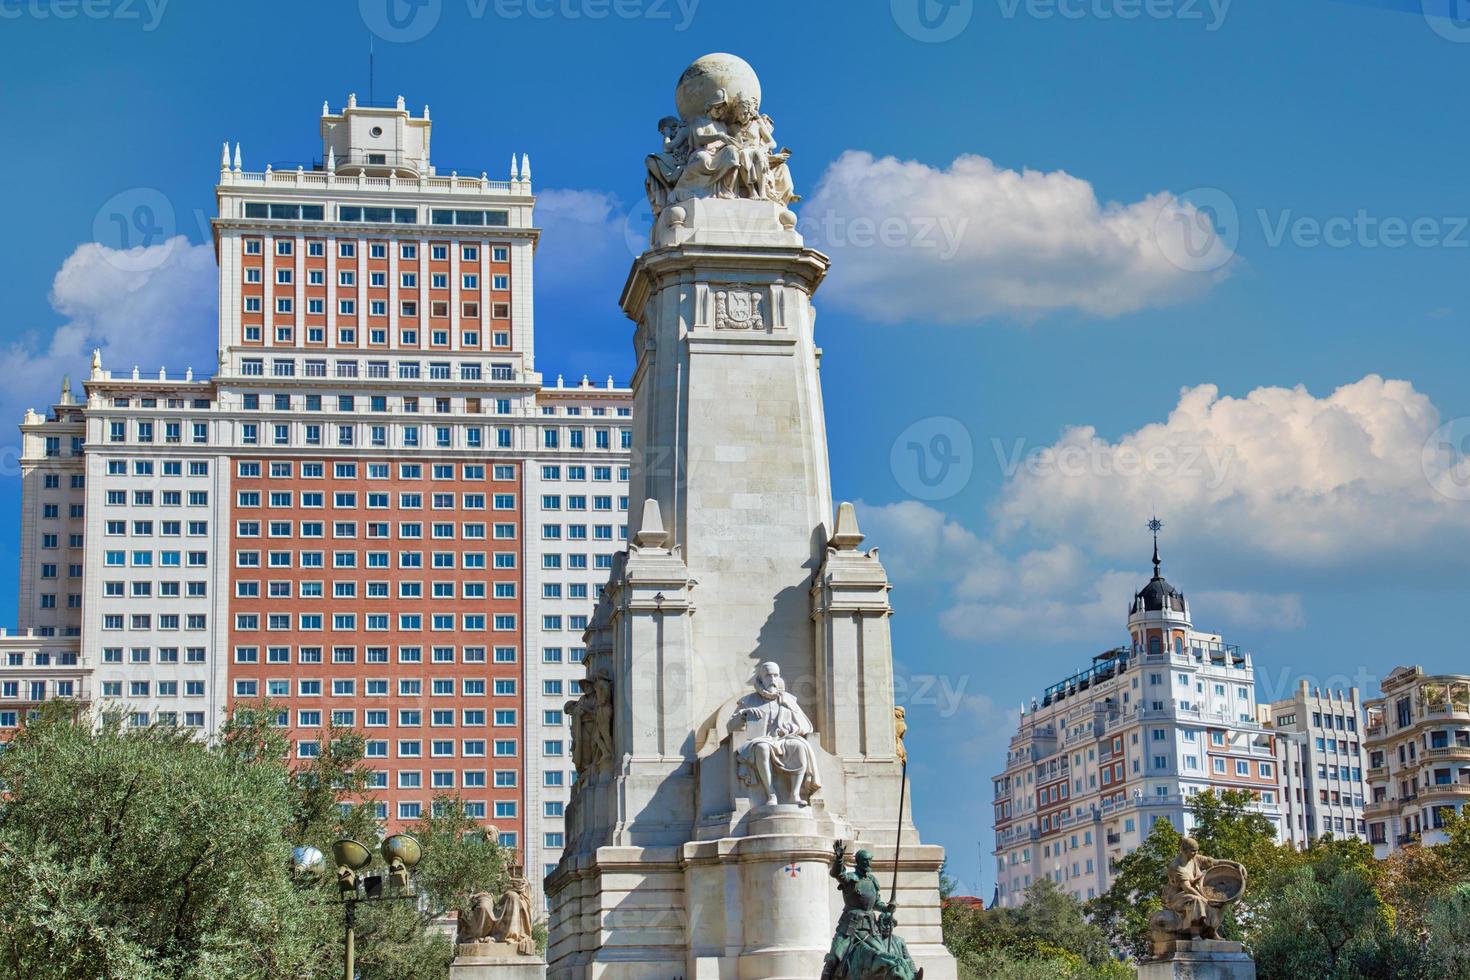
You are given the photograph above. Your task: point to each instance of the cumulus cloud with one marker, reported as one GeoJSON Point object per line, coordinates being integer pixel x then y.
{"type": "Point", "coordinates": [1055, 593]}
{"type": "Point", "coordinates": [152, 306]}
{"type": "Point", "coordinates": [911, 241]}
{"type": "Point", "coordinates": [587, 235]}
{"type": "Point", "coordinates": [1366, 472]}
{"type": "Point", "coordinates": [1273, 486]}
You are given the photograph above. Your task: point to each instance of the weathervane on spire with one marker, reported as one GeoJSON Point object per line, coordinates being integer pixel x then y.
{"type": "Point", "coordinates": [1155, 525]}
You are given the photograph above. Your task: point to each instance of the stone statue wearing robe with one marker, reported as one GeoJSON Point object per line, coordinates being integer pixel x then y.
{"type": "Point", "coordinates": [511, 926]}
{"type": "Point", "coordinates": [778, 750]}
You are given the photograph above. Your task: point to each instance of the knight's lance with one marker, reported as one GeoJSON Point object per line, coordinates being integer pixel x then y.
{"type": "Point", "coordinates": [903, 785]}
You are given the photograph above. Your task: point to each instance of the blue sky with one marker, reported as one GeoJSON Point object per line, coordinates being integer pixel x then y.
{"type": "Point", "coordinates": [1038, 167]}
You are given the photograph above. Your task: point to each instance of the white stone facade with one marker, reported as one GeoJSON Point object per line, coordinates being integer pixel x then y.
{"type": "Point", "coordinates": [674, 868]}
{"type": "Point", "coordinates": [1322, 763]}
{"type": "Point", "coordinates": [1418, 748]}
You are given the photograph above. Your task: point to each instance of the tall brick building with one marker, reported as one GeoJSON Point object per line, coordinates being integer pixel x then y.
{"type": "Point", "coordinates": [375, 512]}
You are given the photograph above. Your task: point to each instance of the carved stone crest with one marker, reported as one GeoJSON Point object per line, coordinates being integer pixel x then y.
{"type": "Point", "coordinates": [738, 308]}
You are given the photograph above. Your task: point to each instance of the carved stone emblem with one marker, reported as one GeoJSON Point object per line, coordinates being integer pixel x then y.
{"type": "Point", "coordinates": [738, 309]}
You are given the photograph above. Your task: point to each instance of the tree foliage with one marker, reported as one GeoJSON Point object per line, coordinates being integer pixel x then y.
{"type": "Point", "coordinates": [145, 854]}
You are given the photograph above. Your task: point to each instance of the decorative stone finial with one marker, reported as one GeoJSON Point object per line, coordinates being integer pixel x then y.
{"type": "Point", "coordinates": [526, 167]}
{"type": "Point", "coordinates": [352, 100]}
{"type": "Point", "coordinates": [401, 103]}
{"type": "Point", "coordinates": [847, 536]}
{"type": "Point", "coordinates": [331, 158]}
{"type": "Point", "coordinates": [66, 389]}
{"type": "Point", "coordinates": [515, 168]}
{"type": "Point", "coordinates": [426, 110]}
{"type": "Point", "coordinates": [236, 167]}
{"type": "Point", "coordinates": [651, 533]}
{"type": "Point", "coordinates": [325, 110]}
{"type": "Point", "coordinates": [224, 156]}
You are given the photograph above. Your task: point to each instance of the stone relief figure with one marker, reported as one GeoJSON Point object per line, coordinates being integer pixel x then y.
{"type": "Point", "coordinates": [513, 925]}
{"type": "Point", "coordinates": [778, 747]}
{"type": "Point", "coordinates": [720, 145]}
{"type": "Point", "coordinates": [592, 719]}
{"type": "Point", "coordinates": [1196, 894]}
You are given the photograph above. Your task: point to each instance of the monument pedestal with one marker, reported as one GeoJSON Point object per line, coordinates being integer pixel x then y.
{"type": "Point", "coordinates": [1199, 959]}
{"type": "Point", "coordinates": [495, 961]}
{"type": "Point", "coordinates": [698, 846]}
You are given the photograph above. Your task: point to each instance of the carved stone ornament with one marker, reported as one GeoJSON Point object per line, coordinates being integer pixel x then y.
{"type": "Point", "coordinates": [738, 308]}
{"type": "Point", "coordinates": [720, 144]}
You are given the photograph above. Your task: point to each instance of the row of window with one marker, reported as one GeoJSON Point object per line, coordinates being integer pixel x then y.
{"type": "Point", "coordinates": [347, 249]}
{"type": "Point", "coordinates": [285, 275]}
{"type": "Point", "coordinates": [371, 622]}
{"type": "Point", "coordinates": [279, 469]}
{"type": "Point", "coordinates": [250, 589]}
{"type": "Point", "coordinates": [373, 655]}
{"type": "Point", "coordinates": [378, 336]}
{"type": "Point", "coordinates": [148, 621]}
{"type": "Point", "coordinates": [383, 499]}
{"type": "Point", "coordinates": [370, 559]}
{"type": "Point", "coordinates": [285, 367]}
{"type": "Point", "coordinates": [370, 214]}
{"type": "Point", "coordinates": [378, 687]}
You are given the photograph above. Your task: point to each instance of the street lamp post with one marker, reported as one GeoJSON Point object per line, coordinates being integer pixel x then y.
{"type": "Point", "coordinates": [401, 852]}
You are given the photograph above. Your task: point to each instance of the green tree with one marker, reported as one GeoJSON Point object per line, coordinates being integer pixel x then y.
{"type": "Point", "coordinates": [138, 855]}
{"type": "Point", "coordinates": [146, 854]}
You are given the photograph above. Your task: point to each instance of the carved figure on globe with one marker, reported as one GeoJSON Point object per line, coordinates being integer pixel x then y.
{"type": "Point", "coordinates": [720, 145]}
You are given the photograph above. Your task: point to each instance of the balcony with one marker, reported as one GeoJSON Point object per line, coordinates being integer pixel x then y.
{"type": "Point", "coordinates": [1451, 752]}
{"type": "Point", "coordinates": [1380, 808]}
{"type": "Point", "coordinates": [1114, 838]}
{"type": "Point", "coordinates": [301, 178]}
{"type": "Point", "coordinates": [1451, 790]}
{"type": "Point", "coordinates": [1377, 772]}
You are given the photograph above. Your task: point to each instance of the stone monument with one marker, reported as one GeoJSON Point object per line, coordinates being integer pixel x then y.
{"type": "Point", "coordinates": [742, 642]}
{"type": "Point", "coordinates": [491, 944]}
{"type": "Point", "coordinates": [1186, 932]}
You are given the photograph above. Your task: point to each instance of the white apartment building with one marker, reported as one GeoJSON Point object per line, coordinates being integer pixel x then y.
{"type": "Point", "coordinates": [374, 512]}
{"type": "Point", "coordinates": [1322, 760]}
{"type": "Point", "coordinates": [1108, 752]}
{"type": "Point", "coordinates": [1418, 746]}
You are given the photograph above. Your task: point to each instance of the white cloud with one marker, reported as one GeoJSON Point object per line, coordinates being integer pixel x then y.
{"type": "Point", "coordinates": [912, 242]}
{"type": "Point", "coordinates": [1058, 593]}
{"type": "Point", "coordinates": [1279, 485]}
{"type": "Point", "coordinates": [585, 241]}
{"type": "Point", "coordinates": [151, 306]}
{"type": "Point", "coordinates": [1365, 473]}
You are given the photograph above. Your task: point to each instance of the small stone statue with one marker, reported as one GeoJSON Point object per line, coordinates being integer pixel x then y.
{"type": "Point", "coordinates": [1196, 894]}
{"type": "Point", "coordinates": [900, 729]}
{"type": "Point", "coordinates": [779, 746]}
{"type": "Point", "coordinates": [481, 927]}
{"type": "Point", "coordinates": [591, 716]}
{"type": "Point", "coordinates": [864, 947]}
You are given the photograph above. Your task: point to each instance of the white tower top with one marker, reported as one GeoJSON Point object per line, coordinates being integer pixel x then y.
{"type": "Point", "coordinates": [377, 140]}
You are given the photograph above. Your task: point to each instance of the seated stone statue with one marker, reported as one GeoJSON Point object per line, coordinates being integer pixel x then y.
{"type": "Point", "coordinates": [778, 759]}
{"type": "Point", "coordinates": [1196, 894]}
{"type": "Point", "coordinates": [482, 927]}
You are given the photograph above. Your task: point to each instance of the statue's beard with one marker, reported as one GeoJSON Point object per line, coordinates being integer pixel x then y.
{"type": "Point", "coordinates": [772, 689]}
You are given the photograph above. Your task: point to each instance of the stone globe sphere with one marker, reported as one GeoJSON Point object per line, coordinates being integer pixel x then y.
{"type": "Point", "coordinates": [702, 82]}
